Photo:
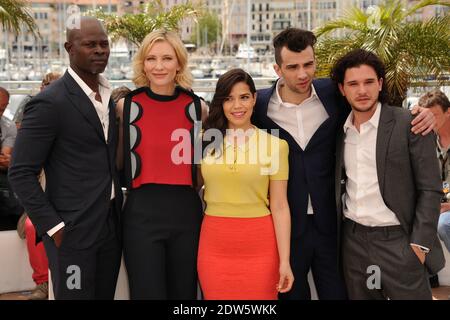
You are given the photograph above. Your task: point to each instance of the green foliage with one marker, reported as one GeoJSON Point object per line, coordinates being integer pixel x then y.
{"type": "Point", "coordinates": [14, 13]}
{"type": "Point", "coordinates": [210, 23]}
{"type": "Point", "coordinates": [153, 16]}
{"type": "Point", "coordinates": [409, 49]}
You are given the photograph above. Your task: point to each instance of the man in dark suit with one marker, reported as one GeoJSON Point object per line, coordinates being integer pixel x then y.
{"type": "Point", "coordinates": [69, 130]}
{"type": "Point", "coordinates": [307, 113]}
{"type": "Point", "coordinates": [389, 184]}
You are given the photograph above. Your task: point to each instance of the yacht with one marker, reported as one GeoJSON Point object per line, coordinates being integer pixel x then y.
{"type": "Point", "coordinates": [245, 52]}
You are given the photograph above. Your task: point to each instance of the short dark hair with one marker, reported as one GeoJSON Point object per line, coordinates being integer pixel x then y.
{"type": "Point", "coordinates": [294, 39]}
{"type": "Point", "coordinates": [356, 58]}
{"type": "Point", "coordinates": [434, 98]}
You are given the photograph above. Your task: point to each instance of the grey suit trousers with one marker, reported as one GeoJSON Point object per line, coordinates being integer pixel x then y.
{"type": "Point", "coordinates": [379, 263]}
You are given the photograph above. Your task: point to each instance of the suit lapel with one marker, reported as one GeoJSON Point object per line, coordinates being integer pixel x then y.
{"type": "Point", "coordinates": [112, 121]}
{"type": "Point", "coordinates": [83, 104]}
{"type": "Point", "coordinates": [339, 169]}
{"type": "Point", "coordinates": [328, 99]}
{"type": "Point", "coordinates": [263, 100]}
{"type": "Point", "coordinates": [385, 128]}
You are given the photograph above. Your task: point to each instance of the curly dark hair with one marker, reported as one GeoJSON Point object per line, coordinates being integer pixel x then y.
{"type": "Point", "coordinates": [216, 118]}
{"type": "Point", "coordinates": [294, 39]}
{"type": "Point", "coordinates": [356, 58]}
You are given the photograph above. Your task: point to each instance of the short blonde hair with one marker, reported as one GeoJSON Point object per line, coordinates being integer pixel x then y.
{"type": "Point", "coordinates": [183, 77]}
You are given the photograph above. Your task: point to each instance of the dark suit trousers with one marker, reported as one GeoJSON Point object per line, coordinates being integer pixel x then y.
{"type": "Point", "coordinates": [316, 252]}
{"type": "Point", "coordinates": [86, 274]}
{"type": "Point", "coordinates": [379, 263]}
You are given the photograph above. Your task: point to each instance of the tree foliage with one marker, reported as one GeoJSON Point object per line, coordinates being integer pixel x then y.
{"type": "Point", "coordinates": [152, 16]}
{"type": "Point", "coordinates": [410, 49]}
{"type": "Point", "coordinates": [14, 14]}
{"type": "Point", "coordinates": [208, 23]}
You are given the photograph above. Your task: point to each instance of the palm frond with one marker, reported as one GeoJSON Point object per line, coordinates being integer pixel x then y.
{"type": "Point", "coordinates": [352, 19]}
{"type": "Point", "coordinates": [14, 14]}
{"type": "Point", "coordinates": [408, 49]}
{"type": "Point", "coordinates": [153, 16]}
{"type": "Point", "coordinates": [425, 3]}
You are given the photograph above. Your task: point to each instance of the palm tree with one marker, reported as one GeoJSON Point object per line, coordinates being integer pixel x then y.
{"type": "Point", "coordinates": [14, 13]}
{"type": "Point", "coordinates": [153, 16]}
{"type": "Point", "coordinates": [410, 50]}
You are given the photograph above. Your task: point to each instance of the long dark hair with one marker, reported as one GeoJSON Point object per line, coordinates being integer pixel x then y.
{"type": "Point", "coordinates": [216, 118]}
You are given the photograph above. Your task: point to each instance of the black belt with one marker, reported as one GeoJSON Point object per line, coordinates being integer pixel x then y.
{"type": "Point", "coordinates": [356, 227]}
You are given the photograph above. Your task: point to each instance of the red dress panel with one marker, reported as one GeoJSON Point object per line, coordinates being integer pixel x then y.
{"type": "Point", "coordinates": [159, 118]}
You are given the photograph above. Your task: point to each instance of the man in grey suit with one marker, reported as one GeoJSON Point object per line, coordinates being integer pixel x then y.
{"type": "Point", "coordinates": [388, 190]}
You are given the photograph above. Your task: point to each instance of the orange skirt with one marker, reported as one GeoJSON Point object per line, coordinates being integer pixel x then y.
{"type": "Point", "coordinates": [238, 258]}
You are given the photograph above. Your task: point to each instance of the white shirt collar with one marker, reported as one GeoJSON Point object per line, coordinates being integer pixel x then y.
{"type": "Point", "coordinates": [86, 89]}
{"type": "Point", "coordinates": [279, 101]}
{"type": "Point", "coordinates": [374, 120]}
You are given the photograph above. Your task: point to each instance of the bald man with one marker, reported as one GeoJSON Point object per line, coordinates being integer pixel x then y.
{"type": "Point", "coordinates": [69, 131]}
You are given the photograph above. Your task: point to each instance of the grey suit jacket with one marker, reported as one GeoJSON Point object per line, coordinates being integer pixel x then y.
{"type": "Point", "coordinates": [409, 180]}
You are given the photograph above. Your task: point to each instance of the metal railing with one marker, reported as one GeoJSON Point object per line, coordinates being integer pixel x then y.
{"type": "Point", "coordinates": [206, 85]}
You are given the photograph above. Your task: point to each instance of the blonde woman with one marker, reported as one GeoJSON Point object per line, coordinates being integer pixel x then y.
{"type": "Point", "coordinates": [163, 212]}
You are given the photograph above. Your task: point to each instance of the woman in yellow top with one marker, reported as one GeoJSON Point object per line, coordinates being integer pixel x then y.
{"type": "Point", "coordinates": [245, 236]}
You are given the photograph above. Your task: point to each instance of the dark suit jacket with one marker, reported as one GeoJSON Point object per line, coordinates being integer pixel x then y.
{"type": "Point", "coordinates": [311, 171]}
{"type": "Point", "coordinates": [409, 179]}
{"type": "Point", "coordinates": [61, 132]}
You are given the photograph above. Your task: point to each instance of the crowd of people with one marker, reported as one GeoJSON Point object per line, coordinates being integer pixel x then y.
{"type": "Point", "coordinates": [309, 175]}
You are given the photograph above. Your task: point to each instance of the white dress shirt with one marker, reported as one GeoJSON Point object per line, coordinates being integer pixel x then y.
{"type": "Point", "coordinates": [102, 109]}
{"type": "Point", "coordinates": [363, 202]}
{"type": "Point", "coordinates": [301, 121]}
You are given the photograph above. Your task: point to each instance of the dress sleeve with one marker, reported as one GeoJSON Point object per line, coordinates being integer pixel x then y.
{"type": "Point", "coordinates": [280, 162]}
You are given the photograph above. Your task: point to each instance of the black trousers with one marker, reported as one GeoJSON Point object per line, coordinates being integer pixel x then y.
{"type": "Point", "coordinates": [86, 274]}
{"type": "Point", "coordinates": [316, 252]}
{"type": "Point", "coordinates": [379, 263]}
{"type": "Point", "coordinates": [161, 226]}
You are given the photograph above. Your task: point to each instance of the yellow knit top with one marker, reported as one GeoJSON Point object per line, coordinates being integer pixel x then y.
{"type": "Point", "coordinates": [236, 179]}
